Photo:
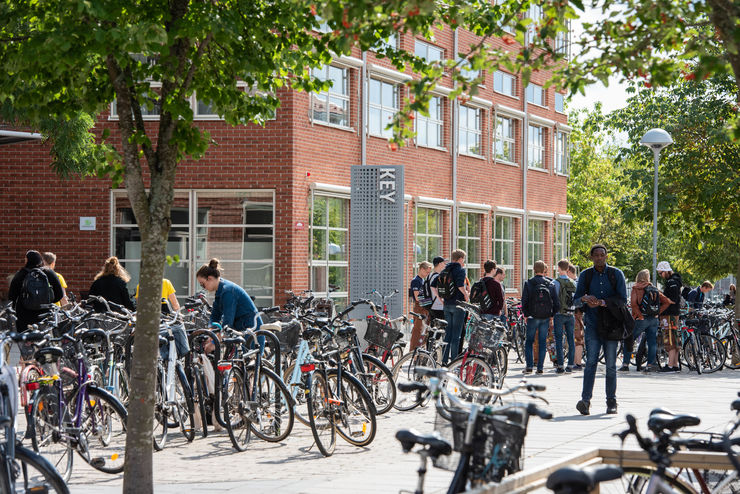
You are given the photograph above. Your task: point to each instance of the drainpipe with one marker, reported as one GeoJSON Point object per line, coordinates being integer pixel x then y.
{"type": "Point", "coordinates": [525, 219]}
{"type": "Point", "coordinates": [363, 110]}
{"type": "Point", "coordinates": [455, 117]}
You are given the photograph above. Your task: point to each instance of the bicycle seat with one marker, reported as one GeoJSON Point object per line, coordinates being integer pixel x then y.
{"type": "Point", "coordinates": [235, 341]}
{"type": "Point", "coordinates": [439, 323]}
{"type": "Point", "coordinates": [667, 420]}
{"type": "Point", "coordinates": [30, 336]}
{"type": "Point", "coordinates": [436, 445]}
{"type": "Point", "coordinates": [90, 334]}
{"type": "Point", "coordinates": [275, 327]}
{"type": "Point", "coordinates": [346, 332]}
{"type": "Point", "coordinates": [579, 479]}
{"type": "Point", "coordinates": [48, 355]}
{"type": "Point", "coordinates": [310, 333]}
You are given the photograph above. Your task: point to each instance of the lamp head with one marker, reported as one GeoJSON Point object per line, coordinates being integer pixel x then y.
{"type": "Point", "coordinates": [656, 139]}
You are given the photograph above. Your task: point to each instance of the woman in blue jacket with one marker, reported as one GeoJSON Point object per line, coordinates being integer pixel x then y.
{"type": "Point", "coordinates": [232, 306]}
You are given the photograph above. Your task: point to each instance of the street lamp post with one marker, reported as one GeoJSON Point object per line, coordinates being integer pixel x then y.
{"type": "Point", "coordinates": [656, 139]}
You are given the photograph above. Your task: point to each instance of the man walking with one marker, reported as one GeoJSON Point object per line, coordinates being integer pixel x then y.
{"type": "Point", "coordinates": [539, 303]}
{"type": "Point", "coordinates": [453, 277]}
{"type": "Point", "coordinates": [669, 316]}
{"type": "Point", "coordinates": [595, 286]}
{"type": "Point", "coordinates": [564, 320]}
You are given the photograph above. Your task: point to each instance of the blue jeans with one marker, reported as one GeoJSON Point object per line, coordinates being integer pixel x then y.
{"type": "Point", "coordinates": [565, 322]}
{"type": "Point", "coordinates": [650, 327]}
{"type": "Point", "coordinates": [593, 346]}
{"type": "Point", "coordinates": [540, 326]}
{"type": "Point", "coordinates": [455, 318]}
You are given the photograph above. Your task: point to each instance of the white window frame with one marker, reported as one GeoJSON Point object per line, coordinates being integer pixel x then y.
{"type": "Point", "coordinates": [434, 123]}
{"type": "Point", "coordinates": [327, 263]}
{"type": "Point", "coordinates": [499, 240]}
{"type": "Point", "coordinates": [536, 148]}
{"type": "Point", "coordinates": [540, 243]}
{"type": "Point", "coordinates": [463, 130]}
{"type": "Point", "coordinates": [559, 107]}
{"type": "Point", "coordinates": [422, 239]}
{"type": "Point", "coordinates": [562, 153]}
{"type": "Point", "coordinates": [499, 86]}
{"type": "Point", "coordinates": [534, 13]}
{"type": "Point", "coordinates": [382, 107]}
{"type": "Point", "coordinates": [534, 89]}
{"type": "Point", "coordinates": [561, 243]}
{"type": "Point", "coordinates": [500, 137]}
{"type": "Point", "coordinates": [464, 238]}
{"type": "Point", "coordinates": [425, 50]}
{"type": "Point", "coordinates": [330, 93]}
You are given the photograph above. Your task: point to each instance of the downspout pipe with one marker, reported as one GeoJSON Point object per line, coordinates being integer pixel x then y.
{"type": "Point", "coordinates": [363, 110]}
{"type": "Point", "coordinates": [525, 166]}
{"type": "Point", "coordinates": [455, 123]}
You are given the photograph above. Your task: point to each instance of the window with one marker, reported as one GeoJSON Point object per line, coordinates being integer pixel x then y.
{"type": "Point", "coordinates": [505, 140]}
{"type": "Point", "coordinates": [204, 109]}
{"type": "Point", "coordinates": [428, 52]}
{"type": "Point", "coordinates": [429, 130]}
{"type": "Point", "coordinates": [469, 131]}
{"type": "Point", "coordinates": [428, 235]}
{"type": "Point", "coordinates": [535, 94]}
{"type": "Point", "coordinates": [329, 247]}
{"type": "Point", "coordinates": [536, 147]}
{"type": "Point", "coordinates": [467, 72]}
{"type": "Point", "coordinates": [468, 239]}
{"type": "Point", "coordinates": [331, 106]}
{"type": "Point", "coordinates": [236, 227]}
{"type": "Point", "coordinates": [562, 156]}
{"type": "Point", "coordinates": [535, 244]}
{"type": "Point", "coordinates": [562, 40]}
{"type": "Point", "coordinates": [149, 110]}
{"type": "Point", "coordinates": [503, 242]}
{"type": "Point", "coordinates": [389, 42]}
{"type": "Point", "coordinates": [561, 248]}
{"type": "Point", "coordinates": [504, 83]}
{"type": "Point", "coordinates": [534, 13]}
{"type": "Point", "coordinates": [383, 107]}
{"type": "Point", "coordinates": [559, 102]}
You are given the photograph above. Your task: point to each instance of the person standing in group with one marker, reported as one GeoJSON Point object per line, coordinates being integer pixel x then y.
{"type": "Point", "coordinates": [438, 306]}
{"type": "Point", "coordinates": [578, 328]}
{"type": "Point", "coordinates": [495, 292]}
{"type": "Point", "coordinates": [669, 316]}
{"type": "Point", "coordinates": [451, 288]}
{"type": "Point", "coordinates": [50, 261]}
{"type": "Point", "coordinates": [32, 290]}
{"type": "Point", "coordinates": [232, 306]}
{"type": "Point", "coordinates": [110, 283]}
{"type": "Point", "coordinates": [499, 276]}
{"type": "Point", "coordinates": [539, 303]}
{"type": "Point", "coordinates": [595, 285]}
{"type": "Point", "coordinates": [646, 303]}
{"type": "Point", "coordinates": [420, 297]}
{"type": "Point", "coordinates": [564, 320]}
{"type": "Point", "coordinates": [695, 298]}
{"type": "Point", "coordinates": [169, 296]}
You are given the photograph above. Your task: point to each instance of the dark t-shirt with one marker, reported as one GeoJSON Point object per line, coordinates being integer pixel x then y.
{"type": "Point", "coordinates": [113, 289]}
{"type": "Point", "coordinates": [458, 274]}
{"type": "Point", "coordinates": [496, 293]}
{"type": "Point", "coordinates": [416, 284]}
{"type": "Point", "coordinates": [27, 316]}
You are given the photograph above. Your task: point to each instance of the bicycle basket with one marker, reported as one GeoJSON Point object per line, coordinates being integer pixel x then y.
{"type": "Point", "coordinates": [289, 335]}
{"type": "Point", "coordinates": [482, 339]}
{"type": "Point", "coordinates": [380, 334]}
{"type": "Point", "coordinates": [497, 444]}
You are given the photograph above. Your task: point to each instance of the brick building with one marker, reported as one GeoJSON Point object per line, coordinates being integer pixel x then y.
{"type": "Point", "coordinates": [487, 175]}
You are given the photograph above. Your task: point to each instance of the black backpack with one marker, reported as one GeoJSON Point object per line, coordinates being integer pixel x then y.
{"type": "Point", "coordinates": [426, 298]}
{"type": "Point", "coordinates": [479, 295]}
{"type": "Point", "coordinates": [685, 292]}
{"type": "Point", "coordinates": [540, 300]}
{"type": "Point", "coordinates": [36, 292]}
{"type": "Point", "coordinates": [650, 303]}
{"type": "Point", "coordinates": [446, 287]}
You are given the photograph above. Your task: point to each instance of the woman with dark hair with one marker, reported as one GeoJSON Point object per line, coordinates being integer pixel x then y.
{"type": "Point", "coordinates": [232, 306]}
{"type": "Point", "coordinates": [110, 283]}
{"type": "Point", "coordinates": [26, 312]}
{"type": "Point", "coordinates": [730, 297]}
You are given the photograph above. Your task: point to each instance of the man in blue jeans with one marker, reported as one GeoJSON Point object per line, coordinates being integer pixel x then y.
{"type": "Point", "coordinates": [565, 319]}
{"type": "Point", "coordinates": [595, 286]}
{"type": "Point", "coordinates": [454, 315]}
{"type": "Point", "coordinates": [539, 303]}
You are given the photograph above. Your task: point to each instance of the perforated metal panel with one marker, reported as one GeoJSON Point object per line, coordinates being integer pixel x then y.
{"type": "Point", "coordinates": [376, 236]}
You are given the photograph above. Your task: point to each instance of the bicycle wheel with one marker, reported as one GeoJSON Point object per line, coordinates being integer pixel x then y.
{"type": "Point", "coordinates": [274, 416]}
{"type": "Point", "coordinates": [234, 399]}
{"type": "Point", "coordinates": [714, 353]}
{"type": "Point", "coordinates": [405, 371]}
{"type": "Point", "coordinates": [183, 405]}
{"type": "Point", "coordinates": [691, 353]}
{"type": "Point", "coordinates": [520, 333]}
{"type": "Point", "coordinates": [321, 414]}
{"type": "Point", "coordinates": [104, 431]}
{"type": "Point", "coordinates": [33, 473]}
{"type": "Point", "coordinates": [199, 385]}
{"type": "Point", "coordinates": [159, 425]}
{"type": "Point", "coordinates": [121, 386]}
{"type": "Point", "coordinates": [502, 363]}
{"type": "Point", "coordinates": [298, 392]}
{"type": "Point", "coordinates": [355, 420]}
{"type": "Point", "coordinates": [48, 437]}
{"type": "Point", "coordinates": [732, 350]}
{"type": "Point", "coordinates": [378, 380]}
{"type": "Point", "coordinates": [635, 480]}
{"type": "Point", "coordinates": [475, 371]}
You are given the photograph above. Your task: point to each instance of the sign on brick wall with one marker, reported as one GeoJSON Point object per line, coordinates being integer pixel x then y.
{"type": "Point", "coordinates": [376, 236]}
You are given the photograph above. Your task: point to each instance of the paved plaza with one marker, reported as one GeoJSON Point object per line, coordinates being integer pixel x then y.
{"type": "Point", "coordinates": [295, 466]}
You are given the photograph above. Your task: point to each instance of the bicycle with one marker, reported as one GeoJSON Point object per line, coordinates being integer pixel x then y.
{"type": "Point", "coordinates": [22, 470]}
{"type": "Point", "coordinates": [702, 351]}
{"type": "Point", "coordinates": [392, 350]}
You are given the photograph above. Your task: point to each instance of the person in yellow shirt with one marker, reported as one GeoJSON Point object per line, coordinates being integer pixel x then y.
{"type": "Point", "coordinates": [168, 294]}
{"type": "Point", "coordinates": [50, 259]}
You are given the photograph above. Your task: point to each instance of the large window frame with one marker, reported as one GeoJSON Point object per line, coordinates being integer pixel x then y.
{"type": "Point", "coordinates": [559, 102]}
{"type": "Point", "coordinates": [561, 243]}
{"type": "Point", "coordinates": [470, 131]}
{"type": "Point", "coordinates": [189, 239]}
{"type": "Point", "coordinates": [324, 258]}
{"type": "Point", "coordinates": [504, 241]}
{"type": "Point", "coordinates": [535, 244]}
{"type": "Point", "coordinates": [468, 239]}
{"type": "Point", "coordinates": [382, 107]}
{"type": "Point", "coordinates": [335, 96]}
{"type": "Point", "coordinates": [504, 83]}
{"type": "Point", "coordinates": [536, 147]}
{"type": "Point", "coordinates": [428, 233]}
{"type": "Point", "coordinates": [430, 130]}
{"type": "Point", "coordinates": [428, 51]}
{"type": "Point", "coordinates": [536, 95]}
{"type": "Point", "coordinates": [562, 154]}
{"type": "Point", "coordinates": [504, 148]}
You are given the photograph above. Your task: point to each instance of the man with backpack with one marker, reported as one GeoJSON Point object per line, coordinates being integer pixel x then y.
{"type": "Point", "coordinates": [565, 319]}
{"type": "Point", "coordinates": [539, 303]}
{"type": "Point", "coordinates": [33, 289]}
{"type": "Point", "coordinates": [596, 286]}
{"type": "Point", "coordinates": [646, 303]}
{"type": "Point", "coordinates": [673, 285]}
{"type": "Point", "coordinates": [451, 288]}
{"type": "Point", "coordinates": [437, 308]}
{"type": "Point", "coordinates": [492, 300]}
{"type": "Point", "coordinates": [420, 298]}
